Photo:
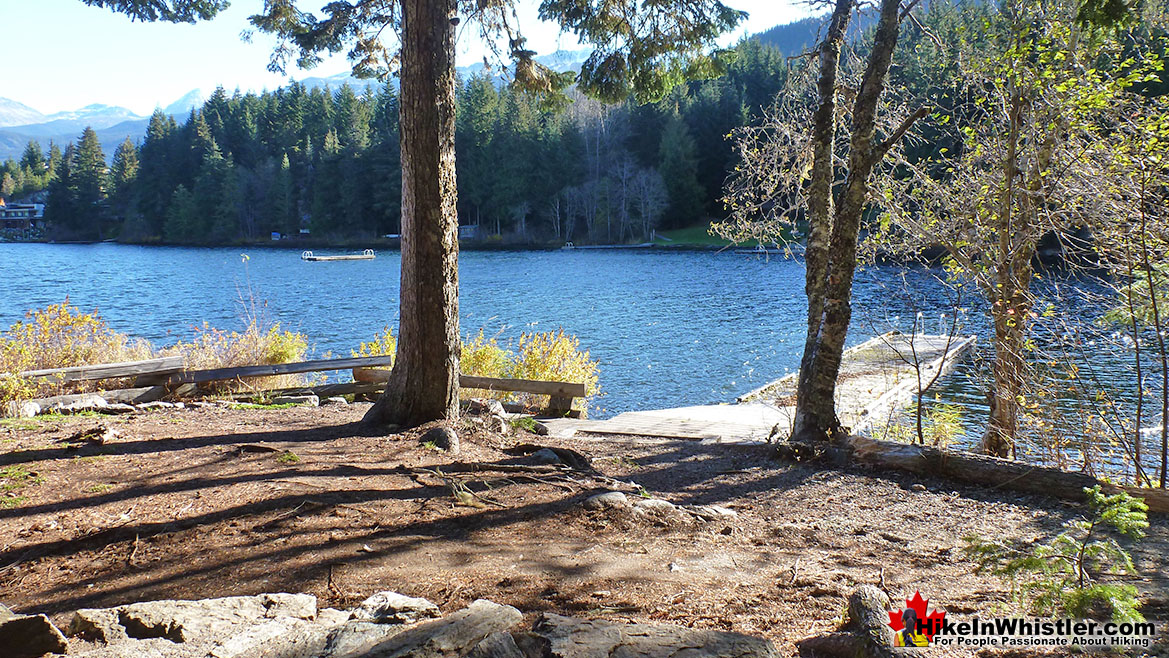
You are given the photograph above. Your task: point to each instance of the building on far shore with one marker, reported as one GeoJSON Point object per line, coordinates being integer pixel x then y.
{"type": "Point", "coordinates": [21, 216]}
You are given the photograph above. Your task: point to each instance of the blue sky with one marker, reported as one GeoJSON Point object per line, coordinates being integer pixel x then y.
{"type": "Point", "coordinates": [61, 55]}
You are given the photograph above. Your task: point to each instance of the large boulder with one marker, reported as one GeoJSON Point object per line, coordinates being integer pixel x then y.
{"type": "Point", "coordinates": [452, 636]}
{"type": "Point", "coordinates": [28, 636]}
{"type": "Point", "coordinates": [188, 621]}
{"type": "Point", "coordinates": [394, 608]}
{"type": "Point", "coordinates": [568, 637]}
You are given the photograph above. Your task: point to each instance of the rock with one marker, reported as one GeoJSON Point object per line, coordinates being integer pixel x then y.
{"type": "Point", "coordinates": [443, 438]}
{"type": "Point", "coordinates": [21, 409]}
{"type": "Point", "coordinates": [5, 613]}
{"type": "Point", "coordinates": [29, 636]}
{"type": "Point", "coordinates": [354, 638]}
{"type": "Point", "coordinates": [87, 403]}
{"type": "Point", "coordinates": [189, 621]}
{"type": "Point", "coordinates": [337, 400]}
{"type": "Point", "coordinates": [711, 512]}
{"type": "Point", "coordinates": [607, 500]}
{"type": "Point", "coordinates": [540, 428]}
{"type": "Point", "coordinates": [545, 456]}
{"type": "Point", "coordinates": [917, 487]}
{"type": "Point", "coordinates": [654, 504]}
{"type": "Point", "coordinates": [394, 608]}
{"type": "Point", "coordinates": [499, 424]}
{"type": "Point", "coordinates": [256, 638]}
{"type": "Point", "coordinates": [498, 645]}
{"type": "Point", "coordinates": [450, 637]}
{"type": "Point", "coordinates": [486, 407]}
{"type": "Point", "coordinates": [307, 400]}
{"type": "Point", "coordinates": [96, 624]}
{"type": "Point", "coordinates": [117, 408]}
{"type": "Point", "coordinates": [157, 404]}
{"type": "Point", "coordinates": [567, 637]}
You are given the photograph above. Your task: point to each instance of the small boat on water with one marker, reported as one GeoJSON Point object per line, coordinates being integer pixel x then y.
{"type": "Point", "coordinates": [568, 245]}
{"type": "Point", "coordinates": [365, 255]}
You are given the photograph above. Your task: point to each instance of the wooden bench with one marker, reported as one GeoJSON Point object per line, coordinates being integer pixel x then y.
{"type": "Point", "coordinates": [560, 394]}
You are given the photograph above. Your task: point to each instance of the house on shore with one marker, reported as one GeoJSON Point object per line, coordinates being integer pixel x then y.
{"type": "Point", "coordinates": [21, 216]}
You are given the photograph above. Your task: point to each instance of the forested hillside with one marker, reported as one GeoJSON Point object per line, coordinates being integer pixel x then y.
{"type": "Point", "coordinates": [326, 161]}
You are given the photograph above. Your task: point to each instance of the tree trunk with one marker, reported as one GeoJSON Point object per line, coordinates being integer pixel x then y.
{"type": "Point", "coordinates": [815, 417]}
{"type": "Point", "coordinates": [424, 384]}
{"type": "Point", "coordinates": [1009, 363]}
{"type": "Point", "coordinates": [815, 414]}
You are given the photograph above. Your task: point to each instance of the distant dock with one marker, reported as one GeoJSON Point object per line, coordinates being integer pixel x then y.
{"type": "Point", "coordinates": [365, 255]}
{"type": "Point", "coordinates": [877, 378]}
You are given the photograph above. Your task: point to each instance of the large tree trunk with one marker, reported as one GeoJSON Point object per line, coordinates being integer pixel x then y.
{"type": "Point", "coordinates": [814, 412]}
{"type": "Point", "coordinates": [1009, 364]}
{"type": "Point", "coordinates": [424, 384]}
{"type": "Point", "coordinates": [815, 417]}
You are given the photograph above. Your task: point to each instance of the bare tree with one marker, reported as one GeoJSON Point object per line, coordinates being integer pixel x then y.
{"type": "Point", "coordinates": [833, 207]}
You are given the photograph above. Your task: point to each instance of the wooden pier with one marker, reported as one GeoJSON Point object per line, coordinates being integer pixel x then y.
{"type": "Point", "coordinates": [365, 255]}
{"type": "Point", "coordinates": [877, 378]}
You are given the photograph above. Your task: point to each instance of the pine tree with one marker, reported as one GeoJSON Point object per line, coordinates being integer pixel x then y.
{"type": "Point", "coordinates": [89, 184]}
{"type": "Point", "coordinates": [33, 158]}
{"type": "Point", "coordinates": [124, 169]}
{"type": "Point", "coordinates": [679, 169]}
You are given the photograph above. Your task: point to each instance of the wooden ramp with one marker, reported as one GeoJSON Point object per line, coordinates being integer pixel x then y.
{"type": "Point", "coordinates": [877, 378]}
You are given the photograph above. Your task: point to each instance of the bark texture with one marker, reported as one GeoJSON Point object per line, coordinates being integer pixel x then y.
{"type": "Point", "coordinates": [830, 293]}
{"type": "Point", "coordinates": [810, 410]}
{"type": "Point", "coordinates": [424, 383]}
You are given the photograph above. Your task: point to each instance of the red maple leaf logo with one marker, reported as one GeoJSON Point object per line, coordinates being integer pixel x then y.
{"type": "Point", "coordinates": [931, 621]}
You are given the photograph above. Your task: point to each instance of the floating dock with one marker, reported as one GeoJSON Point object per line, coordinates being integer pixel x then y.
{"type": "Point", "coordinates": [365, 255]}
{"type": "Point", "coordinates": [877, 378]}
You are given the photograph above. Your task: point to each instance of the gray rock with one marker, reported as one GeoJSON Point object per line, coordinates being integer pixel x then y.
{"type": "Point", "coordinates": [545, 456]}
{"type": "Point", "coordinates": [355, 638]}
{"type": "Point", "coordinates": [117, 408]}
{"type": "Point", "coordinates": [337, 400]}
{"type": "Point", "coordinates": [394, 608]}
{"type": "Point", "coordinates": [87, 403]}
{"type": "Point", "coordinates": [156, 405]}
{"type": "Point", "coordinates": [21, 409]}
{"type": "Point", "coordinates": [307, 400]}
{"type": "Point", "coordinates": [540, 428]}
{"type": "Point", "coordinates": [654, 504]}
{"type": "Point", "coordinates": [256, 638]}
{"type": "Point", "coordinates": [189, 621]}
{"type": "Point", "coordinates": [454, 635]}
{"type": "Point", "coordinates": [607, 500]}
{"type": "Point", "coordinates": [498, 645]}
{"type": "Point", "coordinates": [711, 512]}
{"type": "Point", "coordinates": [499, 424]}
{"type": "Point", "coordinates": [443, 438]}
{"type": "Point", "coordinates": [486, 407]}
{"type": "Point", "coordinates": [30, 636]}
{"type": "Point", "coordinates": [5, 613]}
{"type": "Point", "coordinates": [567, 637]}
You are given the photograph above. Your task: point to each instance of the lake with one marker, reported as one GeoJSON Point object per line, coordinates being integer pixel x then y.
{"type": "Point", "coordinates": [669, 328]}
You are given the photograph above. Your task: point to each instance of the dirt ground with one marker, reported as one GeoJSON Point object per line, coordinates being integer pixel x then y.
{"type": "Point", "coordinates": [172, 507]}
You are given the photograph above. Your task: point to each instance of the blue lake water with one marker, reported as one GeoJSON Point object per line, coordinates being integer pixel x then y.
{"type": "Point", "coordinates": [669, 328]}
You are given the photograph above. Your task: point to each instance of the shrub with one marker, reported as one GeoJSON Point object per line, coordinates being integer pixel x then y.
{"type": "Point", "coordinates": [60, 336]}
{"type": "Point", "coordinates": [256, 345]}
{"type": "Point", "coordinates": [1068, 572]}
{"type": "Point", "coordinates": [555, 356]}
{"type": "Point", "coordinates": [382, 344]}
{"type": "Point", "coordinates": [483, 357]}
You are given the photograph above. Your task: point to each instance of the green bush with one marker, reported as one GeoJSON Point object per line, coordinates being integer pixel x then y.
{"type": "Point", "coordinates": [1073, 571]}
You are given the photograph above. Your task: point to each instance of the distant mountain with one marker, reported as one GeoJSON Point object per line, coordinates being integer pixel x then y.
{"type": "Point", "coordinates": [561, 60]}
{"type": "Point", "coordinates": [13, 113]}
{"type": "Point", "coordinates": [183, 106]}
{"type": "Point", "coordinates": [800, 36]}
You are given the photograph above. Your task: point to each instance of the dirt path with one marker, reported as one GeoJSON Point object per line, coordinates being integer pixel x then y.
{"type": "Point", "coordinates": [172, 508]}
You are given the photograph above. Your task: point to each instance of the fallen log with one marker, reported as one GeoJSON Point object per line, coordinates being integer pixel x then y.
{"type": "Point", "coordinates": [994, 472]}
{"type": "Point", "coordinates": [866, 633]}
